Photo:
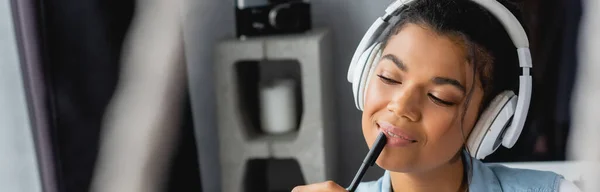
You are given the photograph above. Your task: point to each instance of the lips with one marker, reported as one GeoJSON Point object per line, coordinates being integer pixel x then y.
{"type": "Point", "coordinates": [391, 134]}
{"type": "Point", "coordinates": [395, 135]}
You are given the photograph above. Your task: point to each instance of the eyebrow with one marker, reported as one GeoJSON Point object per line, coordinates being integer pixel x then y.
{"type": "Point", "coordinates": [448, 81]}
{"type": "Point", "coordinates": [396, 61]}
{"type": "Point", "coordinates": [435, 80]}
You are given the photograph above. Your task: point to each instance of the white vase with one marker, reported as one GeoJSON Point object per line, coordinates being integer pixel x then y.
{"type": "Point", "coordinates": [277, 101]}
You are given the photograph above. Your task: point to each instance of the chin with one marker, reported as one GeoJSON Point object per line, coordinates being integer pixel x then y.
{"type": "Point", "coordinates": [397, 162]}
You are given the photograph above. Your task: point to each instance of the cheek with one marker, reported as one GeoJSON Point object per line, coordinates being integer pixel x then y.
{"type": "Point", "coordinates": [442, 129]}
{"type": "Point", "coordinates": [443, 137]}
{"type": "Point", "coordinates": [376, 99]}
{"type": "Point", "coordinates": [376, 96]}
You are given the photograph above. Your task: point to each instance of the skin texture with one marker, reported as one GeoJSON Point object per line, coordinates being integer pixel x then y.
{"type": "Point", "coordinates": [427, 110]}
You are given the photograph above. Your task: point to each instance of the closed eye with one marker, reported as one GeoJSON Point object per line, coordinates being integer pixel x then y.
{"type": "Point", "coordinates": [440, 101]}
{"type": "Point", "coordinates": [388, 80]}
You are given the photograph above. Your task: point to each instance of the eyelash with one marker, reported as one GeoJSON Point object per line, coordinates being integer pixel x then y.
{"type": "Point", "coordinates": [388, 80]}
{"type": "Point", "coordinates": [431, 96]}
{"type": "Point", "coordinates": [439, 101]}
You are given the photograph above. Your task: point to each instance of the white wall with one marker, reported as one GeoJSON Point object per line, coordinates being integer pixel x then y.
{"type": "Point", "coordinates": [18, 164]}
{"type": "Point", "coordinates": [208, 21]}
{"type": "Point", "coordinates": [205, 22]}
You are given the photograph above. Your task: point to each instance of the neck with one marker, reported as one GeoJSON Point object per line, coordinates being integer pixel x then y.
{"type": "Point", "coordinates": [448, 177]}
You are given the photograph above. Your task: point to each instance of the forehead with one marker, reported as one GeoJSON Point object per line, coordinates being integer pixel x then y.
{"type": "Point", "coordinates": [429, 54]}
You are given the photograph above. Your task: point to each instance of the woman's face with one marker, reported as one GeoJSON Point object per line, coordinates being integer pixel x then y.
{"type": "Point", "coordinates": [416, 96]}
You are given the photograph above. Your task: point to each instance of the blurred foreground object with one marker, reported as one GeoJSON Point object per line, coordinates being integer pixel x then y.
{"type": "Point", "coordinates": [20, 167]}
{"type": "Point", "coordinates": [140, 122]}
{"type": "Point", "coordinates": [585, 137]}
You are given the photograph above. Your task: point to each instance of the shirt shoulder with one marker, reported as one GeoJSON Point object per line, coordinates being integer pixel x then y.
{"type": "Point", "coordinates": [369, 186]}
{"type": "Point", "coordinates": [516, 179]}
{"type": "Point", "coordinates": [380, 185]}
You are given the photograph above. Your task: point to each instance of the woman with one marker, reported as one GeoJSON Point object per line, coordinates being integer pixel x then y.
{"type": "Point", "coordinates": [441, 65]}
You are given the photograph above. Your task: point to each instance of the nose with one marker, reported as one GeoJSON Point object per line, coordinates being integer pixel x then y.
{"type": "Point", "coordinates": [405, 104]}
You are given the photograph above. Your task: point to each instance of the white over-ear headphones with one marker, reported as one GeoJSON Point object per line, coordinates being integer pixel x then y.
{"type": "Point", "coordinates": [501, 122]}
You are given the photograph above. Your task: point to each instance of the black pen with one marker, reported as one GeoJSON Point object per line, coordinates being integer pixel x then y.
{"type": "Point", "coordinates": [369, 161]}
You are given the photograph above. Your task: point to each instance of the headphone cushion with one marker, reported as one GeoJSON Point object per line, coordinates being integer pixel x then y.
{"type": "Point", "coordinates": [357, 73]}
{"type": "Point", "coordinates": [488, 129]}
{"type": "Point", "coordinates": [362, 73]}
{"type": "Point", "coordinates": [369, 66]}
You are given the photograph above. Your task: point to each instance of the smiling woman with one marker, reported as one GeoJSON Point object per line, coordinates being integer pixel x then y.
{"type": "Point", "coordinates": [443, 70]}
{"type": "Point", "coordinates": [420, 100]}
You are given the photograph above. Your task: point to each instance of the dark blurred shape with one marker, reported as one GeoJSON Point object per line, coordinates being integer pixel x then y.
{"type": "Point", "coordinates": [82, 46]}
{"type": "Point", "coordinates": [184, 173]}
{"type": "Point", "coordinates": [278, 17]}
{"type": "Point", "coordinates": [248, 76]}
{"type": "Point", "coordinates": [272, 175]}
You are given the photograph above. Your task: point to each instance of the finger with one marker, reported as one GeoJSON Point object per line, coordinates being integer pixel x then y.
{"type": "Point", "coordinates": [297, 188]}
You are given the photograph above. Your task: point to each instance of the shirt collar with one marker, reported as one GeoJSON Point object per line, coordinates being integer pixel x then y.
{"type": "Point", "coordinates": [481, 178]}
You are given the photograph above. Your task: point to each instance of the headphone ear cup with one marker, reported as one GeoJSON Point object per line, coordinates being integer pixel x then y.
{"type": "Point", "coordinates": [372, 58]}
{"type": "Point", "coordinates": [487, 134]}
{"type": "Point", "coordinates": [357, 75]}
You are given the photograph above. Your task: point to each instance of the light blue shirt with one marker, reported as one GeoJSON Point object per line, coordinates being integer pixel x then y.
{"type": "Point", "coordinates": [492, 178]}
